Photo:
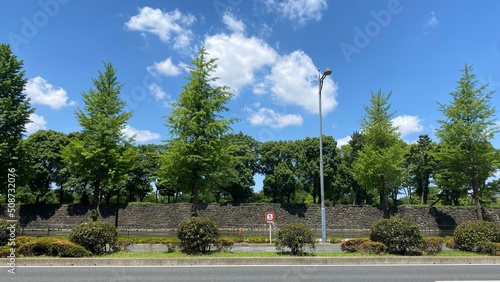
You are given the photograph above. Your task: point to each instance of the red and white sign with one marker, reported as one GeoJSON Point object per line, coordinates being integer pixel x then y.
{"type": "Point", "coordinates": [269, 217]}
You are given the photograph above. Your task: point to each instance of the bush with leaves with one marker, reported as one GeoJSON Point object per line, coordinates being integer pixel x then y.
{"type": "Point", "coordinates": [54, 247]}
{"type": "Point", "coordinates": [432, 245]}
{"type": "Point", "coordinates": [258, 239]}
{"type": "Point", "coordinates": [94, 236]}
{"type": "Point", "coordinates": [224, 244]}
{"type": "Point", "coordinates": [197, 234]}
{"type": "Point", "coordinates": [488, 248]}
{"type": "Point", "coordinates": [469, 234]}
{"type": "Point", "coordinates": [352, 245]}
{"type": "Point", "coordinates": [295, 237]}
{"type": "Point", "coordinates": [401, 236]}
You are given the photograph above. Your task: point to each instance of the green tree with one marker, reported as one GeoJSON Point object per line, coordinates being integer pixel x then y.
{"type": "Point", "coordinates": [102, 155]}
{"type": "Point", "coordinates": [196, 154]}
{"type": "Point", "coordinates": [15, 110]}
{"type": "Point", "coordinates": [243, 167]}
{"type": "Point", "coordinates": [466, 130]}
{"type": "Point", "coordinates": [278, 161]}
{"type": "Point", "coordinates": [45, 147]}
{"type": "Point", "coordinates": [421, 166]}
{"type": "Point", "coordinates": [142, 174]}
{"type": "Point", "coordinates": [379, 164]}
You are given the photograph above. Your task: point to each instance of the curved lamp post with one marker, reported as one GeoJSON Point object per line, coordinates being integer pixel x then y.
{"type": "Point", "coordinates": [327, 72]}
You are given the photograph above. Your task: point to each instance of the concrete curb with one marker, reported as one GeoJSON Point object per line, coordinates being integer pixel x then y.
{"type": "Point", "coordinates": [254, 261]}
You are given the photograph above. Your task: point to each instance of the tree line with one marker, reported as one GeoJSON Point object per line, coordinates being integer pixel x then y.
{"type": "Point", "coordinates": [205, 161]}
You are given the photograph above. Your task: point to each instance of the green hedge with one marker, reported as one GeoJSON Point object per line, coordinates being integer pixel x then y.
{"type": "Point", "coordinates": [94, 236]}
{"type": "Point", "coordinates": [295, 237]}
{"type": "Point", "coordinates": [52, 247]}
{"type": "Point", "coordinates": [197, 234]}
{"type": "Point", "coordinates": [401, 236]}
{"type": "Point", "coordinates": [469, 234]}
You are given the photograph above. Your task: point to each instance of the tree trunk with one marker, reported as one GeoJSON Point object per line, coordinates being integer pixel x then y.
{"type": "Point", "coordinates": [95, 202]}
{"type": "Point", "coordinates": [61, 195]}
{"type": "Point", "coordinates": [194, 200]}
{"type": "Point", "coordinates": [383, 197]}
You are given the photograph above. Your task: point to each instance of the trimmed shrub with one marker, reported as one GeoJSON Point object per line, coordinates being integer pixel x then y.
{"type": "Point", "coordinates": [335, 240]}
{"type": "Point", "coordinates": [52, 247]}
{"type": "Point", "coordinates": [370, 247]}
{"type": "Point", "coordinates": [352, 245]}
{"type": "Point", "coordinates": [401, 236]}
{"type": "Point", "coordinates": [94, 236]}
{"type": "Point", "coordinates": [258, 239]}
{"type": "Point", "coordinates": [224, 244]}
{"type": "Point", "coordinates": [4, 251]}
{"type": "Point", "coordinates": [197, 234]}
{"type": "Point", "coordinates": [469, 233]}
{"type": "Point", "coordinates": [432, 245]}
{"type": "Point", "coordinates": [5, 231]}
{"type": "Point", "coordinates": [295, 237]}
{"type": "Point", "coordinates": [489, 248]}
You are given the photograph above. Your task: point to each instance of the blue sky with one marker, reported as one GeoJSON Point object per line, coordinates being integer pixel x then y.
{"type": "Point", "coordinates": [268, 54]}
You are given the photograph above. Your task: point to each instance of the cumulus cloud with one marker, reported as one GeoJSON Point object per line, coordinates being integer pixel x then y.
{"type": "Point", "coordinates": [141, 136]}
{"type": "Point", "coordinates": [268, 117]}
{"type": "Point", "coordinates": [168, 26]}
{"type": "Point", "coordinates": [233, 24]}
{"type": "Point", "coordinates": [165, 67]}
{"type": "Point", "coordinates": [36, 123]}
{"type": "Point", "coordinates": [343, 141]}
{"type": "Point", "coordinates": [300, 11]}
{"type": "Point", "coordinates": [43, 93]}
{"type": "Point", "coordinates": [294, 80]}
{"type": "Point", "coordinates": [157, 91]}
{"type": "Point", "coordinates": [408, 124]}
{"type": "Point", "coordinates": [238, 56]}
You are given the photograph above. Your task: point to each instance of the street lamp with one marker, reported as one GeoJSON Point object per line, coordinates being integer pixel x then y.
{"type": "Point", "coordinates": [327, 72]}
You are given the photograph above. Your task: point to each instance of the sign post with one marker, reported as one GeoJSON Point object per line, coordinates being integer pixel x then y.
{"type": "Point", "coordinates": [270, 220]}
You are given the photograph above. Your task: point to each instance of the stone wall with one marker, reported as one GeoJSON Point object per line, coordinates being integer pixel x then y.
{"type": "Point", "coordinates": [245, 216]}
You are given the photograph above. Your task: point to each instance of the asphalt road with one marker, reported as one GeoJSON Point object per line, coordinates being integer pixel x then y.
{"type": "Point", "coordinates": [420, 273]}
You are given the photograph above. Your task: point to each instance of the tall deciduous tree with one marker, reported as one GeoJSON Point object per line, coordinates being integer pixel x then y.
{"type": "Point", "coordinates": [46, 166]}
{"type": "Point", "coordinates": [421, 166]}
{"type": "Point", "coordinates": [379, 164]}
{"type": "Point", "coordinates": [103, 154]}
{"type": "Point", "coordinates": [466, 131]}
{"type": "Point", "coordinates": [196, 154]}
{"type": "Point", "coordinates": [243, 167]}
{"type": "Point", "coordinates": [15, 111]}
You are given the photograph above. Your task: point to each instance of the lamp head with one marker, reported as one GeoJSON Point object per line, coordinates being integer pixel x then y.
{"type": "Point", "coordinates": [327, 71]}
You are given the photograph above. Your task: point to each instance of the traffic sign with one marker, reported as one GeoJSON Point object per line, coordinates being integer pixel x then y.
{"type": "Point", "coordinates": [269, 217]}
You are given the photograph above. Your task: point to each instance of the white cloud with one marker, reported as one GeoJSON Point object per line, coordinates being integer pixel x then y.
{"type": "Point", "coordinates": [36, 123]}
{"type": "Point", "coordinates": [431, 20]}
{"type": "Point", "coordinates": [165, 67]}
{"type": "Point", "coordinates": [300, 11]}
{"type": "Point", "coordinates": [294, 80]}
{"type": "Point", "coordinates": [408, 124]}
{"type": "Point", "coordinates": [233, 24]}
{"type": "Point", "coordinates": [157, 91]}
{"type": "Point", "coordinates": [343, 141]}
{"type": "Point", "coordinates": [44, 93]}
{"type": "Point", "coordinates": [268, 117]}
{"type": "Point", "coordinates": [238, 57]}
{"type": "Point", "coordinates": [140, 135]}
{"type": "Point", "coordinates": [169, 26]}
